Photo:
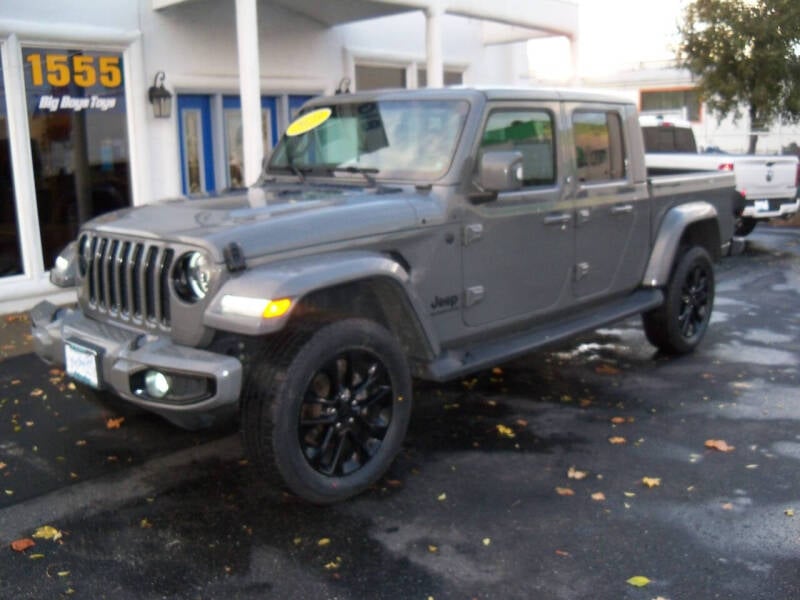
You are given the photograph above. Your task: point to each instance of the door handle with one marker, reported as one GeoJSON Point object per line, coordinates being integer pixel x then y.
{"type": "Point", "coordinates": [621, 209]}
{"type": "Point", "coordinates": [557, 219]}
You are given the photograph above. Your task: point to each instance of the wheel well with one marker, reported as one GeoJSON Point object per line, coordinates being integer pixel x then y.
{"type": "Point", "coordinates": [379, 299]}
{"type": "Point", "coordinates": [702, 233]}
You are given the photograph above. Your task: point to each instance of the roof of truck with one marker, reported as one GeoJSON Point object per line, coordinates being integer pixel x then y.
{"type": "Point", "coordinates": [489, 93]}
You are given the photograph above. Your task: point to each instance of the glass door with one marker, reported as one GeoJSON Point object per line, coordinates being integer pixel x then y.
{"type": "Point", "coordinates": [234, 148]}
{"type": "Point", "coordinates": [10, 253]}
{"type": "Point", "coordinates": [197, 152]}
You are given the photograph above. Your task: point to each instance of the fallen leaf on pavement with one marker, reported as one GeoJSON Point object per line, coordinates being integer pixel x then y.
{"type": "Point", "coordinates": [617, 440]}
{"type": "Point", "coordinates": [720, 445]}
{"type": "Point", "coordinates": [441, 497]}
{"type": "Point", "coordinates": [112, 423]}
{"type": "Point", "coordinates": [565, 491]}
{"type": "Point", "coordinates": [433, 549]}
{"type": "Point", "coordinates": [506, 431]}
{"type": "Point", "coordinates": [324, 542]}
{"type": "Point", "coordinates": [651, 482]}
{"type": "Point", "coordinates": [487, 541]}
{"type": "Point", "coordinates": [562, 553]}
{"type": "Point", "coordinates": [789, 512]}
{"type": "Point", "coordinates": [727, 506]}
{"type": "Point", "coordinates": [606, 369]}
{"type": "Point", "coordinates": [47, 532]}
{"type": "Point", "coordinates": [22, 545]}
{"type": "Point", "coordinates": [574, 473]}
{"type": "Point", "coordinates": [638, 581]}
{"type": "Point", "coordinates": [599, 497]}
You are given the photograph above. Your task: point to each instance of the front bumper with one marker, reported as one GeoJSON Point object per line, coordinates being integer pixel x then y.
{"type": "Point", "coordinates": [772, 208]}
{"type": "Point", "coordinates": [123, 355]}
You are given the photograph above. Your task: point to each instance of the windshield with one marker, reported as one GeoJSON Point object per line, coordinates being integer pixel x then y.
{"type": "Point", "coordinates": [393, 139]}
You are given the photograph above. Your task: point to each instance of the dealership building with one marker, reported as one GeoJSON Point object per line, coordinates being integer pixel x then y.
{"type": "Point", "coordinates": [105, 104]}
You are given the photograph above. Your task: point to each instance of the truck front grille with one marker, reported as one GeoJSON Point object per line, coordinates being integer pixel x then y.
{"type": "Point", "coordinates": [126, 280]}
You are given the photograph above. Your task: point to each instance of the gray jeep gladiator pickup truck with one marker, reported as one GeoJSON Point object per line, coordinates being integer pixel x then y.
{"type": "Point", "coordinates": [393, 234]}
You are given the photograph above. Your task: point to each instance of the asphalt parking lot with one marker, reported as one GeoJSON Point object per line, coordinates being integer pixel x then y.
{"type": "Point", "coordinates": [573, 473]}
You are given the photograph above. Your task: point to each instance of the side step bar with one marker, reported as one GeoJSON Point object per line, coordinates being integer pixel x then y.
{"type": "Point", "coordinates": [452, 364]}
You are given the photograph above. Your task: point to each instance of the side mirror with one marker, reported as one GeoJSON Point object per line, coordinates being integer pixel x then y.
{"type": "Point", "coordinates": [500, 171]}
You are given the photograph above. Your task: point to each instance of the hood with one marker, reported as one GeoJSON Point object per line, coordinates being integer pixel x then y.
{"type": "Point", "coordinates": [267, 220]}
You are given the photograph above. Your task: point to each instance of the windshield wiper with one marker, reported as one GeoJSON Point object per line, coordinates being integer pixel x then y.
{"type": "Point", "coordinates": [367, 172]}
{"type": "Point", "coordinates": [299, 172]}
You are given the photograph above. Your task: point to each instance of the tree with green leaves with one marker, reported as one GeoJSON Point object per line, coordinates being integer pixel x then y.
{"type": "Point", "coordinates": [746, 55]}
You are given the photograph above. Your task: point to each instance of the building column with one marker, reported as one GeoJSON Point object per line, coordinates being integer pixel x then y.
{"type": "Point", "coordinates": [249, 88]}
{"type": "Point", "coordinates": [573, 55]}
{"type": "Point", "coordinates": [433, 42]}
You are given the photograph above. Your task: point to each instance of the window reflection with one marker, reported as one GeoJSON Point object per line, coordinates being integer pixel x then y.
{"type": "Point", "coordinates": [76, 112]}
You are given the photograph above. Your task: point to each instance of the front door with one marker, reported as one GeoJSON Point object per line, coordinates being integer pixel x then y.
{"type": "Point", "coordinates": [519, 249]}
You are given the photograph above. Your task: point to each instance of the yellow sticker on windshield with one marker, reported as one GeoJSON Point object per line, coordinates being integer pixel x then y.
{"type": "Point", "coordinates": [308, 122]}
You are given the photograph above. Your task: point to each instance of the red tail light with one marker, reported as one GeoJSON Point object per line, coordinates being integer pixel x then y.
{"type": "Point", "coordinates": [727, 167]}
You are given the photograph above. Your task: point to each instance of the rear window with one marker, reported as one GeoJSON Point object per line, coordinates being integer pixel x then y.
{"type": "Point", "coordinates": [668, 139]}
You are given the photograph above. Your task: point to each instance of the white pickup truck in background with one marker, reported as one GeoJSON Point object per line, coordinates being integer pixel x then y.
{"type": "Point", "coordinates": [768, 183]}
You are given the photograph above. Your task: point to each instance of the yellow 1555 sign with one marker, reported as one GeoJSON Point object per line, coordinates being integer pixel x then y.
{"type": "Point", "coordinates": [61, 70]}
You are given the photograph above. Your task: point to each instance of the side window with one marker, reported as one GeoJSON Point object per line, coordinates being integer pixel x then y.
{"type": "Point", "coordinates": [599, 148]}
{"type": "Point", "coordinates": [529, 132]}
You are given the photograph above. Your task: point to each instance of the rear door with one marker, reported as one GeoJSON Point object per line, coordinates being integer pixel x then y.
{"type": "Point", "coordinates": [612, 211]}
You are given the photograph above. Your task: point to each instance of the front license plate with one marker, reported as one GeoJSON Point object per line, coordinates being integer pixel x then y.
{"type": "Point", "coordinates": [761, 205]}
{"type": "Point", "coordinates": [82, 364]}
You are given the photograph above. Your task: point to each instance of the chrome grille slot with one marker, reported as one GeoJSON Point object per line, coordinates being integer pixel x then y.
{"type": "Point", "coordinates": [128, 280]}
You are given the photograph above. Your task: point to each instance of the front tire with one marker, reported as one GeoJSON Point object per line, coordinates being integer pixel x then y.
{"type": "Point", "coordinates": [329, 408]}
{"type": "Point", "coordinates": [679, 324]}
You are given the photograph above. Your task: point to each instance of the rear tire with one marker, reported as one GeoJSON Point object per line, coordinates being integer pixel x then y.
{"type": "Point", "coordinates": [329, 408]}
{"type": "Point", "coordinates": [679, 324]}
{"type": "Point", "coordinates": [744, 226]}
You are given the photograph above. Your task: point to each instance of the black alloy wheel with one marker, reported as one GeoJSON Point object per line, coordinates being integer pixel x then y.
{"type": "Point", "coordinates": [346, 413]}
{"type": "Point", "coordinates": [695, 309]}
{"type": "Point", "coordinates": [679, 324]}
{"type": "Point", "coordinates": [328, 406]}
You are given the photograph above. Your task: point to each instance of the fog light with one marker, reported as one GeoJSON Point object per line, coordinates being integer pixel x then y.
{"type": "Point", "coordinates": [157, 384]}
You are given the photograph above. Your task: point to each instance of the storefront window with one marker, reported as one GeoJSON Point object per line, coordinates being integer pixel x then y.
{"type": "Point", "coordinates": [10, 254]}
{"type": "Point", "coordinates": [76, 112]}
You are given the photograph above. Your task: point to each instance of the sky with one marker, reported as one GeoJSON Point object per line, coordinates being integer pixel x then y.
{"type": "Point", "coordinates": [613, 35]}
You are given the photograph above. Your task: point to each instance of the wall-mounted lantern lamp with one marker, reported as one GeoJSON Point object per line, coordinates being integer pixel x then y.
{"type": "Point", "coordinates": [160, 97]}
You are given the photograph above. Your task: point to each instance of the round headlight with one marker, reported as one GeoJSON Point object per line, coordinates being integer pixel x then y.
{"type": "Point", "coordinates": [193, 276]}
